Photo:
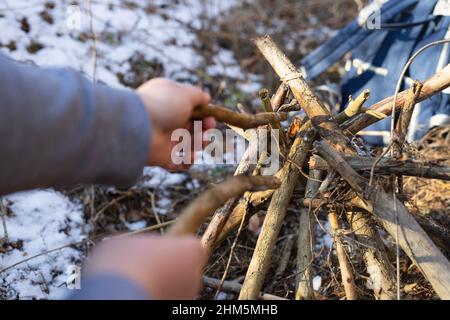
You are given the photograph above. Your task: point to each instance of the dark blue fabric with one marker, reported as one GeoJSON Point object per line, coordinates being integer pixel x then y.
{"type": "Point", "coordinates": [389, 50]}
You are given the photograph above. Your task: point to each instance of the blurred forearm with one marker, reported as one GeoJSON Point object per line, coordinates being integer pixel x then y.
{"type": "Point", "coordinates": [58, 129]}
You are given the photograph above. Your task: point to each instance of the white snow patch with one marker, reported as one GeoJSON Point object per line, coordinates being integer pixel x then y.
{"type": "Point", "coordinates": [133, 226]}
{"type": "Point", "coordinates": [43, 220]}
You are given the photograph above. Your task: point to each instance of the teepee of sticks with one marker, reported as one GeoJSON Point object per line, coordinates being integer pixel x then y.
{"type": "Point", "coordinates": [326, 145]}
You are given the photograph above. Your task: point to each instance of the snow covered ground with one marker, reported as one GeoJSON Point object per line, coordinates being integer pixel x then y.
{"type": "Point", "coordinates": [55, 33]}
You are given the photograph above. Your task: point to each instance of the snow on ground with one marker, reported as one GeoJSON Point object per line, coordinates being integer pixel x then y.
{"type": "Point", "coordinates": [55, 33]}
{"type": "Point", "coordinates": [40, 220]}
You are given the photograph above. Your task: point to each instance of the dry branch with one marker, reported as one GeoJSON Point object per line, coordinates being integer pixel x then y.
{"type": "Point", "coordinates": [353, 108]}
{"type": "Point", "coordinates": [222, 215]}
{"type": "Point", "coordinates": [279, 96]}
{"type": "Point", "coordinates": [382, 275]}
{"type": "Point", "coordinates": [327, 127]}
{"type": "Point", "coordinates": [241, 120]}
{"type": "Point", "coordinates": [405, 117]}
{"type": "Point", "coordinates": [432, 86]}
{"type": "Point", "coordinates": [412, 239]}
{"type": "Point", "coordinates": [267, 104]}
{"type": "Point", "coordinates": [348, 280]}
{"type": "Point", "coordinates": [276, 212]}
{"type": "Point", "coordinates": [235, 287]}
{"type": "Point", "coordinates": [387, 166]}
{"type": "Point", "coordinates": [194, 215]}
{"type": "Point", "coordinates": [305, 241]}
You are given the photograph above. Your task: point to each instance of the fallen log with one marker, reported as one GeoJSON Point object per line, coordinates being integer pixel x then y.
{"type": "Point", "coordinates": [388, 166]}
{"type": "Point", "coordinates": [412, 238]}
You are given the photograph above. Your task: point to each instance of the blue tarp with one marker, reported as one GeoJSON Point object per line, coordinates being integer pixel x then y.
{"type": "Point", "coordinates": [378, 56]}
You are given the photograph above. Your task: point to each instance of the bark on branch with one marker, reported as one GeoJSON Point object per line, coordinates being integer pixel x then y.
{"type": "Point", "coordinates": [276, 212]}
{"type": "Point", "coordinates": [412, 238]}
{"type": "Point", "coordinates": [387, 166]}
{"type": "Point", "coordinates": [241, 120]}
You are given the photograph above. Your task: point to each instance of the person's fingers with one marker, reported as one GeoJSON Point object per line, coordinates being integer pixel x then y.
{"type": "Point", "coordinates": [209, 123]}
{"type": "Point", "coordinates": [197, 97]}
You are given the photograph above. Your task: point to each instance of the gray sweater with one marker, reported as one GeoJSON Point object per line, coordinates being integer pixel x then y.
{"type": "Point", "coordinates": [58, 129]}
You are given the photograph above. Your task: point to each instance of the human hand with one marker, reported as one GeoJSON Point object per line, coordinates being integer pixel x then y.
{"type": "Point", "coordinates": [170, 107]}
{"type": "Point", "coordinates": [167, 268]}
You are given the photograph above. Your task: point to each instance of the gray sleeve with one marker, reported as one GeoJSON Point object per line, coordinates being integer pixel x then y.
{"type": "Point", "coordinates": [58, 129]}
{"type": "Point", "coordinates": [109, 287]}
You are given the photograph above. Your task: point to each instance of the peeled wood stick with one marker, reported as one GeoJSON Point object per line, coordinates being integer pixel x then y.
{"type": "Point", "coordinates": [305, 242]}
{"type": "Point", "coordinates": [412, 238]}
{"type": "Point", "coordinates": [432, 86]}
{"type": "Point", "coordinates": [279, 96]}
{"type": "Point", "coordinates": [194, 215]}
{"type": "Point", "coordinates": [241, 120]}
{"type": "Point", "coordinates": [276, 212]}
{"type": "Point", "coordinates": [388, 166]}
{"type": "Point", "coordinates": [258, 198]}
{"type": "Point", "coordinates": [348, 280]}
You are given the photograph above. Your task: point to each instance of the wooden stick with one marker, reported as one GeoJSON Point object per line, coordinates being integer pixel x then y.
{"type": "Point", "coordinates": [382, 275]}
{"type": "Point", "coordinates": [305, 243]}
{"type": "Point", "coordinates": [194, 215]}
{"type": "Point", "coordinates": [267, 104]}
{"type": "Point", "coordinates": [348, 280]}
{"type": "Point", "coordinates": [276, 212]}
{"type": "Point", "coordinates": [435, 84]}
{"type": "Point", "coordinates": [402, 125]}
{"type": "Point", "coordinates": [413, 240]}
{"type": "Point", "coordinates": [241, 120]}
{"type": "Point", "coordinates": [354, 107]}
{"type": "Point", "coordinates": [387, 166]}
{"type": "Point", "coordinates": [279, 96]}
{"type": "Point", "coordinates": [222, 215]}
{"type": "Point", "coordinates": [313, 107]}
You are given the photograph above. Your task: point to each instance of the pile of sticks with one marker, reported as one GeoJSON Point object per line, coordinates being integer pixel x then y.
{"type": "Point", "coordinates": [325, 146]}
